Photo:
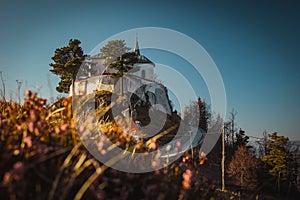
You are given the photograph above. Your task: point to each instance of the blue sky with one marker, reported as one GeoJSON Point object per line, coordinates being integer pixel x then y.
{"type": "Point", "coordinates": [255, 45]}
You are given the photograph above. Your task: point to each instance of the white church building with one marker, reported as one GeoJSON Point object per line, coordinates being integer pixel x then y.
{"type": "Point", "coordinates": [140, 82]}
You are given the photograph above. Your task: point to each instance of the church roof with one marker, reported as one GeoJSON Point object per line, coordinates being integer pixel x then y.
{"type": "Point", "coordinates": [144, 60]}
{"type": "Point", "coordinates": [141, 58]}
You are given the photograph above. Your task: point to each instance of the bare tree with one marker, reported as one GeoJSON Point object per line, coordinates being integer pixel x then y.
{"type": "Point", "coordinates": [3, 86]}
{"type": "Point", "coordinates": [232, 126]}
{"type": "Point", "coordinates": [19, 84]}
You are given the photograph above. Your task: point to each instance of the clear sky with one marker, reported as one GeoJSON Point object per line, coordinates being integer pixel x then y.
{"type": "Point", "coordinates": [255, 45]}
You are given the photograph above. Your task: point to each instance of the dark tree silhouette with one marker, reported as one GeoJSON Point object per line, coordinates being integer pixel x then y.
{"type": "Point", "coordinates": [241, 138]}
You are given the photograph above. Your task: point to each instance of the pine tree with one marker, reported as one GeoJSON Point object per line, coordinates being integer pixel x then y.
{"type": "Point", "coordinates": [112, 51]}
{"type": "Point", "coordinates": [278, 157]}
{"type": "Point", "coordinates": [204, 115]}
{"type": "Point", "coordinates": [241, 139]}
{"type": "Point", "coordinates": [67, 62]}
{"type": "Point", "coordinates": [197, 114]}
{"type": "Point", "coordinates": [124, 64]}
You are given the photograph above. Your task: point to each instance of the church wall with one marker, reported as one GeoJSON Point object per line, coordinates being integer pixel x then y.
{"type": "Point", "coordinates": [148, 71]}
{"type": "Point", "coordinates": [97, 65]}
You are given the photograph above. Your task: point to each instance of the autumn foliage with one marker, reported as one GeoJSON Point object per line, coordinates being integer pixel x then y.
{"type": "Point", "coordinates": [243, 168]}
{"type": "Point", "coordinates": [42, 158]}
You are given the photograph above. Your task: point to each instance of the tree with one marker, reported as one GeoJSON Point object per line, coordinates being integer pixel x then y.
{"type": "Point", "coordinates": [231, 125]}
{"type": "Point", "coordinates": [243, 168]}
{"type": "Point", "coordinates": [241, 138]}
{"type": "Point", "coordinates": [197, 114]}
{"type": "Point", "coordinates": [294, 167]}
{"type": "Point", "coordinates": [3, 87]}
{"type": "Point", "coordinates": [123, 65]}
{"type": "Point", "coordinates": [278, 157]}
{"type": "Point", "coordinates": [67, 62]}
{"type": "Point", "coordinates": [112, 50]}
{"type": "Point", "coordinates": [204, 115]}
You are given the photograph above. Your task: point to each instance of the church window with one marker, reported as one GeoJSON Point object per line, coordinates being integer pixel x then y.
{"type": "Point", "coordinates": [143, 74]}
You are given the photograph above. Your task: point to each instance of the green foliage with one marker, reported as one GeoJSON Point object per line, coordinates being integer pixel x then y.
{"type": "Point", "coordinates": [243, 168]}
{"type": "Point", "coordinates": [67, 62]}
{"type": "Point", "coordinates": [112, 50]}
{"type": "Point", "coordinates": [124, 64]}
{"type": "Point", "coordinates": [278, 156]}
{"type": "Point", "coordinates": [65, 82]}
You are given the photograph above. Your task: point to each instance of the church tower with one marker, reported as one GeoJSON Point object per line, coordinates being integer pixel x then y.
{"type": "Point", "coordinates": [146, 66]}
{"type": "Point", "coordinates": [136, 47]}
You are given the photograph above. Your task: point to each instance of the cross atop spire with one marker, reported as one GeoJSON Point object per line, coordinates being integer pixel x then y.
{"type": "Point", "coordinates": [136, 48]}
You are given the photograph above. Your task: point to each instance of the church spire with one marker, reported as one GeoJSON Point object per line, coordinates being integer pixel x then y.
{"type": "Point", "coordinates": [136, 48]}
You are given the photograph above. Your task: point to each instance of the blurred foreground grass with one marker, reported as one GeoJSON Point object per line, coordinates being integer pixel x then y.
{"type": "Point", "coordinates": [42, 157]}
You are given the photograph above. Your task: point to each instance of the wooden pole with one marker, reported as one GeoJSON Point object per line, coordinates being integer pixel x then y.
{"type": "Point", "coordinates": [223, 160]}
